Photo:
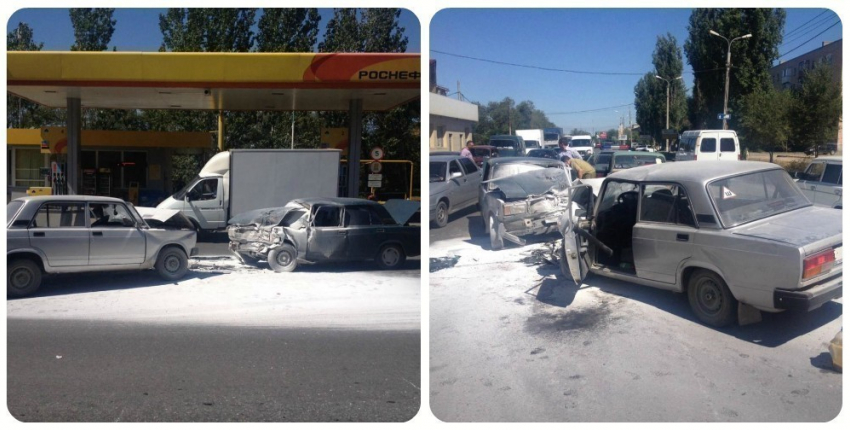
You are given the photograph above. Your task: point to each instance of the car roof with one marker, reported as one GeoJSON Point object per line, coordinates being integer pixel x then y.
{"type": "Point", "coordinates": [66, 197]}
{"type": "Point", "coordinates": [829, 158]}
{"type": "Point", "coordinates": [524, 160]}
{"type": "Point", "coordinates": [691, 171]}
{"type": "Point", "coordinates": [484, 147]}
{"type": "Point", "coordinates": [444, 157]}
{"type": "Point", "coordinates": [336, 201]}
{"type": "Point", "coordinates": [651, 154]}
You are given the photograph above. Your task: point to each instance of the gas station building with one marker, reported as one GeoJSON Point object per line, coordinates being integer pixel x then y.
{"type": "Point", "coordinates": [123, 163]}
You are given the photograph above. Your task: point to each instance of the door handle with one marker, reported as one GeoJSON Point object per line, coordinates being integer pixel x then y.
{"type": "Point", "coordinates": [38, 234]}
{"type": "Point", "coordinates": [682, 237]}
{"type": "Point", "coordinates": [97, 233]}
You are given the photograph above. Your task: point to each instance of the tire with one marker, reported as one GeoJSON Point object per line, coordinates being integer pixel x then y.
{"type": "Point", "coordinates": [283, 258]}
{"type": "Point", "coordinates": [496, 241]}
{"type": "Point", "coordinates": [172, 264]}
{"type": "Point", "coordinates": [390, 257]}
{"type": "Point", "coordinates": [442, 214]}
{"type": "Point", "coordinates": [22, 278]}
{"type": "Point", "coordinates": [711, 300]}
{"type": "Point", "coordinates": [247, 259]}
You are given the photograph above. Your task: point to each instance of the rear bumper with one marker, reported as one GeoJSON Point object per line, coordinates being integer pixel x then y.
{"type": "Point", "coordinates": [810, 299]}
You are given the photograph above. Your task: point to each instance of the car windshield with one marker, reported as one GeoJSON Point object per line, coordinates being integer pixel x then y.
{"type": "Point", "coordinates": [551, 136]}
{"type": "Point", "coordinates": [634, 160]}
{"type": "Point", "coordinates": [505, 170]}
{"type": "Point", "coordinates": [12, 209]}
{"type": "Point", "coordinates": [580, 143]}
{"type": "Point", "coordinates": [182, 193]}
{"type": "Point", "coordinates": [602, 160]}
{"type": "Point", "coordinates": [507, 148]}
{"type": "Point", "coordinates": [437, 171]}
{"type": "Point", "coordinates": [754, 196]}
{"type": "Point", "coordinates": [532, 144]}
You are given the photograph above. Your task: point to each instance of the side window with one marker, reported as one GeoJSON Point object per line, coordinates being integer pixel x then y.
{"type": "Point", "coordinates": [727, 144]}
{"type": "Point", "coordinates": [357, 216]}
{"type": "Point", "coordinates": [618, 192]}
{"type": "Point", "coordinates": [708, 145]}
{"type": "Point", "coordinates": [326, 216]}
{"type": "Point", "coordinates": [108, 215]}
{"type": "Point", "coordinates": [380, 217]}
{"type": "Point", "coordinates": [60, 215]}
{"type": "Point", "coordinates": [832, 174]}
{"type": "Point", "coordinates": [468, 166]}
{"type": "Point", "coordinates": [814, 172]}
{"type": "Point", "coordinates": [290, 218]}
{"type": "Point", "coordinates": [205, 190]}
{"type": "Point", "coordinates": [666, 203]}
{"type": "Point", "coordinates": [454, 168]}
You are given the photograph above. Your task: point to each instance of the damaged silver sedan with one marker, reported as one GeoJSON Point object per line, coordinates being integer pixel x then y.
{"type": "Point", "coordinates": [327, 229]}
{"type": "Point", "coordinates": [521, 196]}
{"type": "Point", "coordinates": [69, 234]}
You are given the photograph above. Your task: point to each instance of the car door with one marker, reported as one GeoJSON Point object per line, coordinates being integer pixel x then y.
{"type": "Point", "coordinates": [707, 148]}
{"type": "Point", "coordinates": [728, 149]}
{"type": "Point", "coordinates": [664, 234]}
{"type": "Point", "coordinates": [827, 191]}
{"type": "Point", "coordinates": [365, 232]}
{"type": "Point", "coordinates": [205, 202]}
{"type": "Point", "coordinates": [471, 181]}
{"type": "Point", "coordinates": [810, 179]}
{"type": "Point", "coordinates": [115, 236]}
{"type": "Point", "coordinates": [59, 231]}
{"type": "Point", "coordinates": [457, 179]}
{"type": "Point", "coordinates": [326, 238]}
{"type": "Point", "coordinates": [575, 258]}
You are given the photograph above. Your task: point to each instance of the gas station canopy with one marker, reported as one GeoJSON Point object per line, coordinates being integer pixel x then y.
{"type": "Point", "coordinates": [215, 81]}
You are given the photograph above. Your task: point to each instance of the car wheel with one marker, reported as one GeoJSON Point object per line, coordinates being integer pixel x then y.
{"type": "Point", "coordinates": [247, 259]}
{"type": "Point", "coordinates": [390, 257]}
{"type": "Point", "coordinates": [23, 278]}
{"type": "Point", "coordinates": [442, 216]}
{"type": "Point", "coordinates": [711, 300]}
{"type": "Point", "coordinates": [496, 241]}
{"type": "Point", "coordinates": [172, 264]}
{"type": "Point", "coordinates": [283, 258]}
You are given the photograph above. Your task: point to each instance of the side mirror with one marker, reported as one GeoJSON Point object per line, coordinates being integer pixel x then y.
{"type": "Point", "coordinates": [456, 175]}
{"type": "Point", "coordinates": [192, 195]}
{"type": "Point", "coordinates": [127, 222]}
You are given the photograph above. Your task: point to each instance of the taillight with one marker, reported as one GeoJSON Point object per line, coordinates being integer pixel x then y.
{"type": "Point", "coordinates": [818, 263]}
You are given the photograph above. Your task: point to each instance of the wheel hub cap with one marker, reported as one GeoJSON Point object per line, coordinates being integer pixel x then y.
{"type": "Point", "coordinates": [172, 264]}
{"type": "Point", "coordinates": [21, 278]}
{"type": "Point", "coordinates": [390, 257]}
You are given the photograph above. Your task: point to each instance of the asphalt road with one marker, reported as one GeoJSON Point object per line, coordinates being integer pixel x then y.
{"type": "Point", "coordinates": [512, 340]}
{"type": "Point", "coordinates": [62, 370]}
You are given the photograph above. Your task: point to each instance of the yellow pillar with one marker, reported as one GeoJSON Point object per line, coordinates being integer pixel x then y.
{"type": "Point", "coordinates": [221, 132]}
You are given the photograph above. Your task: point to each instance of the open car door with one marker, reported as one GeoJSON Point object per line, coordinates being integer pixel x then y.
{"type": "Point", "coordinates": [575, 257]}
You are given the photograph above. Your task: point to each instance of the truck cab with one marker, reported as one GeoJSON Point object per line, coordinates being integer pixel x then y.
{"type": "Point", "coordinates": [204, 200]}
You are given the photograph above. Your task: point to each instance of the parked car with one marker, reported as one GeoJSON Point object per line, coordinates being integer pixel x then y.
{"type": "Point", "coordinates": [522, 196]}
{"type": "Point", "coordinates": [68, 234]}
{"type": "Point", "coordinates": [453, 185]}
{"type": "Point", "coordinates": [509, 146]}
{"type": "Point", "coordinates": [550, 153]}
{"type": "Point", "coordinates": [583, 144]}
{"type": "Point", "coordinates": [706, 145]}
{"type": "Point", "coordinates": [330, 229]}
{"type": "Point", "coordinates": [482, 153]}
{"type": "Point", "coordinates": [607, 162]}
{"type": "Point", "coordinates": [645, 148]}
{"type": "Point", "coordinates": [729, 235]}
{"type": "Point", "coordinates": [826, 148]}
{"type": "Point", "coordinates": [821, 181]}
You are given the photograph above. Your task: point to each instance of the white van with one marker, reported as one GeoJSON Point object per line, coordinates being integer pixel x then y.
{"type": "Point", "coordinates": [709, 145]}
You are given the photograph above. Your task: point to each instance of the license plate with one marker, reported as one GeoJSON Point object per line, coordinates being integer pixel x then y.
{"type": "Point", "coordinates": [839, 254]}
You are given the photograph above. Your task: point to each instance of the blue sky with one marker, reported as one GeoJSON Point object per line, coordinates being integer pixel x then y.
{"type": "Point", "coordinates": [138, 29]}
{"type": "Point", "coordinates": [597, 40]}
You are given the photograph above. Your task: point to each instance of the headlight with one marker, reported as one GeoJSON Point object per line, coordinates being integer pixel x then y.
{"type": "Point", "coordinates": [516, 208]}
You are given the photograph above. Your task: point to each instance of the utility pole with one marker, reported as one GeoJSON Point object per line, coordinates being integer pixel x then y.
{"type": "Point", "coordinates": [728, 68]}
{"type": "Point", "coordinates": [667, 127]}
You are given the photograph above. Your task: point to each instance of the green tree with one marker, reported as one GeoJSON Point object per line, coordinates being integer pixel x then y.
{"type": "Point", "coordinates": [342, 33]}
{"type": "Point", "coordinates": [93, 29]}
{"type": "Point", "coordinates": [381, 30]}
{"type": "Point", "coordinates": [207, 30]}
{"type": "Point", "coordinates": [651, 92]}
{"type": "Point", "coordinates": [816, 109]}
{"type": "Point", "coordinates": [751, 58]}
{"type": "Point", "coordinates": [288, 30]}
{"type": "Point", "coordinates": [22, 113]}
{"type": "Point", "coordinates": [765, 119]}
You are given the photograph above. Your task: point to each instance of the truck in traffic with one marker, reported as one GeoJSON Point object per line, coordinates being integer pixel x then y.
{"type": "Point", "coordinates": [243, 180]}
{"type": "Point", "coordinates": [551, 136]}
{"type": "Point", "coordinates": [533, 139]}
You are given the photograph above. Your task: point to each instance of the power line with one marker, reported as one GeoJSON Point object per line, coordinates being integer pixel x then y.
{"type": "Point", "coordinates": [813, 38]}
{"type": "Point", "coordinates": [809, 31]}
{"type": "Point", "coordinates": [589, 110]}
{"type": "Point", "coordinates": [550, 69]}
{"type": "Point", "coordinates": [805, 23]}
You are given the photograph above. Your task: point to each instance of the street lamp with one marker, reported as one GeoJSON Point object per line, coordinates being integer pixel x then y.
{"type": "Point", "coordinates": [728, 67]}
{"type": "Point", "coordinates": [667, 141]}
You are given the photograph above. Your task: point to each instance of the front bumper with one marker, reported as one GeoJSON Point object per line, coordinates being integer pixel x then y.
{"type": "Point", "coordinates": [809, 299]}
{"type": "Point", "coordinates": [194, 252]}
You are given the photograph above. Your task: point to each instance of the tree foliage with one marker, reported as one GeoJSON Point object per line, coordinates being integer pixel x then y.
{"type": "Point", "coordinates": [381, 31]}
{"type": "Point", "coordinates": [288, 30]}
{"type": "Point", "coordinates": [751, 58]}
{"type": "Point", "coordinates": [207, 30]}
{"type": "Point", "coordinates": [343, 33]}
{"type": "Point", "coordinates": [506, 117]}
{"type": "Point", "coordinates": [93, 29]}
{"type": "Point", "coordinates": [651, 92]}
{"type": "Point", "coordinates": [22, 113]}
{"type": "Point", "coordinates": [765, 121]}
{"type": "Point", "coordinates": [816, 109]}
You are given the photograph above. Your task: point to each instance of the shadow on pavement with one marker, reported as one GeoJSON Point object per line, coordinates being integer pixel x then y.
{"type": "Point", "coordinates": [349, 266]}
{"type": "Point", "coordinates": [76, 283]}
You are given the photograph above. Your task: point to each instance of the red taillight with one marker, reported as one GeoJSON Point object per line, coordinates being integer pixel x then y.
{"type": "Point", "coordinates": [818, 263]}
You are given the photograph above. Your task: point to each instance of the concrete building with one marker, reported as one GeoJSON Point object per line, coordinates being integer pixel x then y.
{"type": "Point", "coordinates": [452, 121]}
{"type": "Point", "coordinates": [788, 75]}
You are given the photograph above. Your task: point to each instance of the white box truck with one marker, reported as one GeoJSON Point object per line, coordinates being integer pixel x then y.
{"type": "Point", "coordinates": [242, 180]}
{"type": "Point", "coordinates": [533, 139]}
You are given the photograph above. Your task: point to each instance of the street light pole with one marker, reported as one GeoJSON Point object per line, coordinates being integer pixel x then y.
{"type": "Point", "coordinates": [728, 68]}
{"type": "Point", "coordinates": [667, 127]}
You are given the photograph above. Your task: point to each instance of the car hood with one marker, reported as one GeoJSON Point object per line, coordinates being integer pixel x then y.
{"type": "Point", "coordinates": [164, 218]}
{"type": "Point", "coordinates": [261, 217]}
{"type": "Point", "coordinates": [531, 183]}
{"type": "Point", "coordinates": [401, 210]}
{"type": "Point", "coordinates": [798, 227]}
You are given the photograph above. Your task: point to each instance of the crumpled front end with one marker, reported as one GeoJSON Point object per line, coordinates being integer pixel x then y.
{"type": "Point", "coordinates": [534, 214]}
{"type": "Point", "coordinates": [253, 240]}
